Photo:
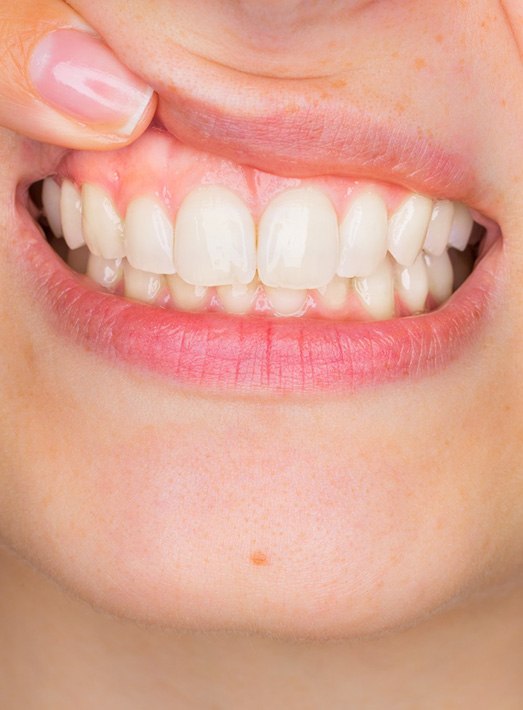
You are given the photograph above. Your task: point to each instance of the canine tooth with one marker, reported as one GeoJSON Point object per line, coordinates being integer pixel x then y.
{"type": "Point", "coordinates": [440, 275]}
{"type": "Point", "coordinates": [149, 237]}
{"type": "Point", "coordinates": [78, 259]}
{"type": "Point", "coordinates": [286, 301]}
{"type": "Point", "coordinates": [238, 298]}
{"type": "Point", "coordinates": [102, 225]}
{"type": "Point", "coordinates": [105, 272]}
{"type": "Point", "coordinates": [51, 198]}
{"type": "Point", "coordinates": [363, 236]}
{"type": "Point", "coordinates": [298, 240]}
{"type": "Point", "coordinates": [334, 295]}
{"type": "Point", "coordinates": [412, 284]}
{"type": "Point", "coordinates": [187, 297]}
{"type": "Point", "coordinates": [439, 228]}
{"type": "Point", "coordinates": [408, 227]}
{"type": "Point", "coordinates": [215, 241]}
{"type": "Point", "coordinates": [461, 227]}
{"type": "Point", "coordinates": [376, 291]}
{"type": "Point", "coordinates": [71, 213]}
{"type": "Point", "coordinates": [142, 285]}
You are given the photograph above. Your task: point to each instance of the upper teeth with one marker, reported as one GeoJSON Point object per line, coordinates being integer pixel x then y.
{"type": "Point", "coordinates": [300, 245]}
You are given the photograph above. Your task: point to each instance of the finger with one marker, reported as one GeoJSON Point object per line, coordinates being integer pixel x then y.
{"type": "Point", "coordinates": [60, 84]}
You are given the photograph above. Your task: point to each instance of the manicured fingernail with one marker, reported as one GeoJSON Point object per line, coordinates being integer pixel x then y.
{"type": "Point", "coordinates": [78, 74]}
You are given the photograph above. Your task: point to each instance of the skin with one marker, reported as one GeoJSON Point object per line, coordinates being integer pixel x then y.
{"type": "Point", "coordinates": [137, 539]}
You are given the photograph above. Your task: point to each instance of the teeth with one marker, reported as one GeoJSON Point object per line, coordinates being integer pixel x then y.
{"type": "Point", "coordinates": [185, 296]}
{"type": "Point", "coordinates": [71, 213]}
{"type": "Point", "coordinates": [286, 301]}
{"type": "Point", "coordinates": [334, 296]}
{"type": "Point", "coordinates": [440, 275]}
{"type": "Point", "coordinates": [51, 196]}
{"type": "Point", "coordinates": [439, 228]}
{"type": "Point", "coordinates": [102, 226]}
{"type": "Point", "coordinates": [363, 236]}
{"type": "Point", "coordinates": [376, 292]}
{"type": "Point", "coordinates": [105, 272]}
{"type": "Point", "coordinates": [461, 227]}
{"type": "Point", "coordinates": [239, 298]}
{"type": "Point", "coordinates": [298, 240]}
{"type": "Point", "coordinates": [142, 285]}
{"type": "Point", "coordinates": [408, 227]}
{"type": "Point", "coordinates": [412, 285]}
{"type": "Point", "coordinates": [215, 242]}
{"type": "Point", "coordinates": [149, 237]}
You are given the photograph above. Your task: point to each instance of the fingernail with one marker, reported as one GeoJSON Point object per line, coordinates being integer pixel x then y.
{"type": "Point", "coordinates": [78, 74]}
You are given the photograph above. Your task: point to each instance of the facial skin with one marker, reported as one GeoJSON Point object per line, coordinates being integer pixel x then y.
{"type": "Point", "coordinates": [312, 518]}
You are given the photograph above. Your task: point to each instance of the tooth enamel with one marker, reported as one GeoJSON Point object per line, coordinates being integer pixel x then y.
{"type": "Point", "coordinates": [440, 275]}
{"type": "Point", "coordinates": [439, 228]}
{"type": "Point", "coordinates": [238, 298]}
{"type": "Point", "coordinates": [215, 242]}
{"type": "Point", "coordinates": [363, 236]}
{"type": "Point", "coordinates": [71, 214]}
{"type": "Point", "coordinates": [298, 240]}
{"type": "Point", "coordinates": [334, 295]}
{"type": "Point", "coordinates": [142, 285]}
{"type": "Point", "coordinates": [461, 227]}
{"type": "Point", "coordinates": [408, 228]}
{"type": "Point", "coordinates": [78, 259]}
{"type": "Point", "coordinates": [376, 292]}
{"type": "Point", "coordinates": [412, 284]}
{"type": "Point", "coordinates": [102, 226]}
{"type": "Point", "coordinates": [149, 237]}
{"type": "Point", "coordinates": [51, 198]}
{"type": "Point", "coordinates": [187, 297]}
{"type": "Point", "coordinates": [105, 272]}
{"type": "Point", "coordinates": [286, 301]}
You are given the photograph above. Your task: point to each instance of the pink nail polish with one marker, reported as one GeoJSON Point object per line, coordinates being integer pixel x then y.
{"type": "Point", "coordinates": [78, 74]}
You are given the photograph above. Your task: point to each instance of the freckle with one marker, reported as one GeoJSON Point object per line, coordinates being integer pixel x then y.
{"type": "Point", "coordinates": [420, 63]}
{"type": "Point", "coordinates": [258, 558]}
{"type": "Point", "coordinates": [439, 39]}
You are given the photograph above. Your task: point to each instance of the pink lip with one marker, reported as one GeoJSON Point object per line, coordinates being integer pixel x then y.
{"type": "Point", "coordinates": [257, 354]}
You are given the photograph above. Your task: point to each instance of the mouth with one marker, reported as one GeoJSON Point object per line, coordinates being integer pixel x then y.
{"type": "Point", "coordinates": [222, 276]}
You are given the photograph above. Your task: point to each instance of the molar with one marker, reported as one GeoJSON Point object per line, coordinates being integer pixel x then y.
{"type": "Point", "coordinates": [149, 237]}
{"type": "Point", "coordinates": [408, 228]}
{"type": "Point", "coordinates": [363, 236]}
{"type": "Point", "coordinates": [102, 226]}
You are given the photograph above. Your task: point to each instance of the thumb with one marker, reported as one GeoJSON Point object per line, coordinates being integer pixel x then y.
{"type": "Point", "coordinates": [60, 84]}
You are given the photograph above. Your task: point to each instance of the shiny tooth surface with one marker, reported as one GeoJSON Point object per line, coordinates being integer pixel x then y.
{"type": "Point", "coordinates": [461, 227]}
{"type": "Point", "coordinates": [149, 237]}
{"type": "Point", "coordinates": [215, 238]}
{"type": "Point", "coordinates": [78, 259]}
{"type": "Point", "coordinates": [412, 284]}
{"type": "Point", "coordinates": [186, 296]}
{"type": "Point", "coordinates": [238, 298]}
{"type": "Point", "coordinates": [71, 214]}
{"type": "Point", "coordinates": [439, 227]}
{"type": "Point", "coordinates": [105, 272]}
{"type": "Point", "coordinates": [102, 225]}
{"type": "Point", "coordinates": [286, 301]}
{"type": "Point", "coordinates": [334, 295]}
{"type": "Point", "coordinates": [440, 275]}
{"type": "Point", "coordinates": [298, 240]}
{"type": "Point", "coordinates": [408, 228]}
{"type": "Point", "coordinates": [363, 236]}
{"type": "Point", "coordinates": [51, 198]}
{"type": "Point", "coordinates": [142, 285]}
{"type": "Point", "coordinates": [376, 292]}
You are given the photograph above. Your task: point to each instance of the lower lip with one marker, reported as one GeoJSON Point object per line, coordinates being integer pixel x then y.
{"type": "Point", "coordinates": [211, 351]}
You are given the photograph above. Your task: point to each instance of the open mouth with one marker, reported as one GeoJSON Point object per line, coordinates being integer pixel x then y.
{"type": "Point", "coordinates": [224, 275]}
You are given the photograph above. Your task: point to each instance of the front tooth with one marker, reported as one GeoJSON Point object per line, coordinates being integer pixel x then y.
{"type": "Point", "coordinates": [439, 228]}
{"type": "Point", "coordinates": [412, 284]}
{"type": "Point", "coordinates": [187, 297]}
{"type": "Point", "coordinates": [334, 296]}
{"type": "Point", "coordinates": [461, 227]}
{"type": "Point", "coordinates": [142, 285]}
{"type": "Point", "coordinates": [298, 240]}
{"type": "Point", "coordinates": [376, 292]}
{"type": "Point", "coordinates": [441, 276]}
{"type": "Point", "coordinates": [102, 226]}
{"type": "Point", "coordinates": [71, 214]}
{"type": "Point", "coordinates": [286, 301]}
{"type": "Point", "coordinates": [363, 236]}
{"type": "Point", "coordinates": [149, 237]}
{"type": "Point", "coordinates": [238, 298]}
{"type": "Point", "coordinates": [105, 272]}
{"type": "Point", "coordinates": [215, 240]}
{"type": "Point", "coordinates": [408, 227]}
{"type": "Point", "coordinates": [51, 198]}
